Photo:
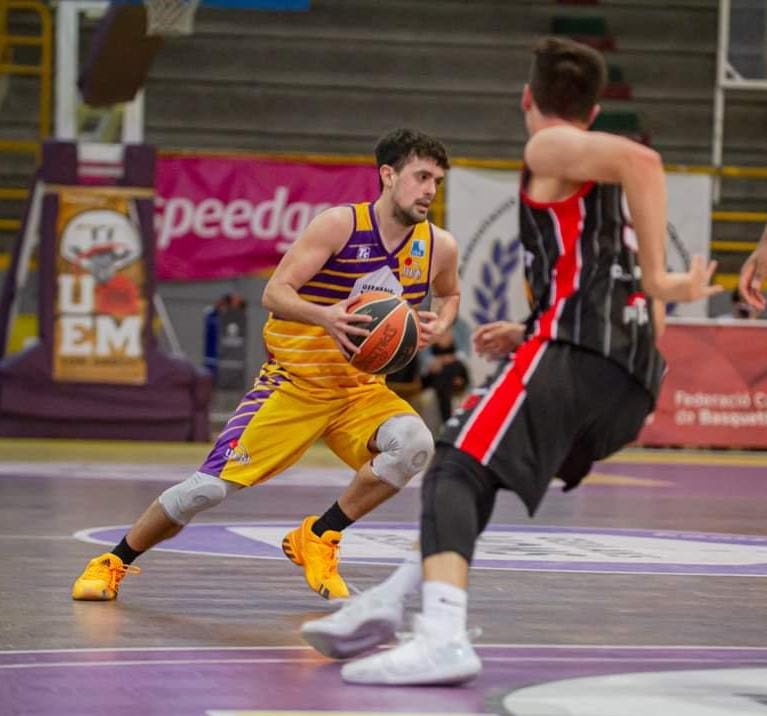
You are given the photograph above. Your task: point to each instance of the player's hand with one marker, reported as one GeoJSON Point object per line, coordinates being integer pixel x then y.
{"type": "Point", "coordinates": [690, 286]}
{"type": "Point", "coordinates": [498, 339]}
{"type": "Point", "coordinates": [340, 324]}
{"type": "Point", "coordinates": [752, 275]}
{"type": "Point", "coordinates": [431, 328]}
{"type": "Point", "coordinates": [700, 278]}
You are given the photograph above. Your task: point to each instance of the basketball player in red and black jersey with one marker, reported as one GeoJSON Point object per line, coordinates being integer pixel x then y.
{"type": "Point", "coordinates": [583, 376]}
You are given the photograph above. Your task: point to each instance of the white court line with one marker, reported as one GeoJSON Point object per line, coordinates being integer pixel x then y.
{"type": "Point", "coordinates": [500, 659]}
{"type": "Point", "coordinates": [163, 473]}
{"type": "Point", "coordinates": [643, 647]}
{"type": "Point", "coordinates": [151, 662]}
{"type": "Point", "coordinates": [107, 650]}
{"type": "Point", "coordinates": [53, 537]}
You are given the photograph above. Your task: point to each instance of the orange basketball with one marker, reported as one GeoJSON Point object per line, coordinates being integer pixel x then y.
{"type": "Point", "coordinates": [394, 333]}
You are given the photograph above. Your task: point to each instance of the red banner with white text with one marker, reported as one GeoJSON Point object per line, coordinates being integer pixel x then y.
{"type": "Point", "coordinates": [715, 391]}
{"type": "Point", "coordinates": [219, 217]}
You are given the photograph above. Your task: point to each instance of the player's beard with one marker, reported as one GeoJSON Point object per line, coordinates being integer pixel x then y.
{"type": "Point", "coordinates": [405, 217]}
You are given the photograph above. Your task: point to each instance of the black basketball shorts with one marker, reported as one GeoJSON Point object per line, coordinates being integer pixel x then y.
{"type": "Point", "coordinates": [550, 411]}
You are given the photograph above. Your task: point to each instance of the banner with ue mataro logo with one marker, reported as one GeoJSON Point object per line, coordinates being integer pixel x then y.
{"type": "Point", "coordinates": [100, 301]}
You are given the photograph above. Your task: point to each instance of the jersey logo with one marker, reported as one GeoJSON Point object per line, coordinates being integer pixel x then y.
{"type": "Point", "coordinates": [635, 310]}
{"type": "Point", "coordinates": [418, 248]}
{"type": "Point", "coordinates": [382, 279]}
{"type": "Point", "coordinates": [237, 452]}
{"type": "Point", "coordinates": [411, 272]}
{"type": "Point", "coordinates": [363, 252]}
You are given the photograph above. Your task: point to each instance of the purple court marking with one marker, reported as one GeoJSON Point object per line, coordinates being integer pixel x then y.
{"type": "Point", "coordinates": [191, 681]}
{"type": "Point", "coordinates": [548, 548]}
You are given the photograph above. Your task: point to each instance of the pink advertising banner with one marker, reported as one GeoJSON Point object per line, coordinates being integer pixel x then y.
{"type": "Point", "coordinates": [218, 217]}
{"type": "Point", "coordinates": [715, 391]}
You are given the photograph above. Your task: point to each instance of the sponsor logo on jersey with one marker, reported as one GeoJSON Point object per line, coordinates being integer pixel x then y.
{"type": "Point", "coordinates": [411, 272]}
{"type": "Point", "coordinates": [635, 310]}
{"type": "Point", "coordinates": [236, 452]}
{"type": "Point", "coordinates": [418, 248]}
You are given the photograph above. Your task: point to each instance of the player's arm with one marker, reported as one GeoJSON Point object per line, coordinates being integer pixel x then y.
{"type": "Point", "coordinates": [325, 235]}
{"type": "Point", "coordinates": [571, 154]}
{"type": "Point", "coordinates": [752, 275]}
{"type": "Point", "coordinates": [445, 288]}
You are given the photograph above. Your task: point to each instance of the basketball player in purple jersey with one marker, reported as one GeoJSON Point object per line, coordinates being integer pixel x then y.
{"type": "Point", "coordinates": [583, 376]}
{"type": "Point", "coordinates": [307, 389]}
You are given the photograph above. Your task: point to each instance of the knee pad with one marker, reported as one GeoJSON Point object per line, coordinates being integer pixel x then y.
{"type": "Point", "coordinates": [406, 446]}
{"type": "Point", "coordinates": [195, 494]}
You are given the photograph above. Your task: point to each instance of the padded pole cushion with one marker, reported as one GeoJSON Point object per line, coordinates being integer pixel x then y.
{"type": "Point", "coordinates": [120, 57]}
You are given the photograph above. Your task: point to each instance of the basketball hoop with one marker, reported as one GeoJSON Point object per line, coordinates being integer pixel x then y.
{"type": "Point", "coordinates": [170, 17]}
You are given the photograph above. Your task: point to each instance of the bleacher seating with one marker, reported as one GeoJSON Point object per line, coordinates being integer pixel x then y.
{"type": "Point", "coordinates": [333, 79]}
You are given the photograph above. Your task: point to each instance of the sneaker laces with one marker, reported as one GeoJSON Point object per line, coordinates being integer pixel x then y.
{"type": "Point", "coordinates": [117, 573]}
{"type": "Point", "coordinates": [114, 573]}
{"type": "Point", "coordinates": [330, 556]}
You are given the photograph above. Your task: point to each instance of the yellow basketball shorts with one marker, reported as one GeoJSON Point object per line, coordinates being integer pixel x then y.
{"type": "Point", "coordinates": [277, 421]}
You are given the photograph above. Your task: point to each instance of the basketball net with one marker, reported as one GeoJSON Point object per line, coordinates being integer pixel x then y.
{"type": "Point", "coordinates": [170, 17]}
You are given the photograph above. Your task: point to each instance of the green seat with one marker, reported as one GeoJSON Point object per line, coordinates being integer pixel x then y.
{"type": "Point", "coordinates": [619, 122]}
{"type": "Point", "coordinates": [579, 26]}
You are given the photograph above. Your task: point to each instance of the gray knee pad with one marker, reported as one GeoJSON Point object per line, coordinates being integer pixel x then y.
{"type": "Point", "coordinates": [195, 494]}
{"type": "Point", "coordinates": [406, 446]}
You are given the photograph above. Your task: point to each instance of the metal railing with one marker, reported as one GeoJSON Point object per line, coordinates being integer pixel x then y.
{"type": "Point", "coordinates": [43, 70]}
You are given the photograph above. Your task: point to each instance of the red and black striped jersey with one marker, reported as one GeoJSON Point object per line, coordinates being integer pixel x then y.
{"type": "Point", "coordinates": [584, 280]}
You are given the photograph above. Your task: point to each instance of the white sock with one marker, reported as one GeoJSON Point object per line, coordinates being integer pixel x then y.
{"type": "Point", "coordinates": [404, 580]}
{"type": "Point", "coordinates": [445, 605]}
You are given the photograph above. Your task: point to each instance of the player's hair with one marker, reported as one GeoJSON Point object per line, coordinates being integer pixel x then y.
{"type": "Point", "coordinates": [566, 78]}
{"type": "Point", "coordinates": [395, 148]}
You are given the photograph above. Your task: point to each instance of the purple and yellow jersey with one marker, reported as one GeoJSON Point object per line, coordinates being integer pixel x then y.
{"type": "Point", "coordinates": [307, 352]}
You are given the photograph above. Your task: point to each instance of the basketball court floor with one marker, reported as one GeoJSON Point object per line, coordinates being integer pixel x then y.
{"type": "Point", "coordinates": [642, 592]}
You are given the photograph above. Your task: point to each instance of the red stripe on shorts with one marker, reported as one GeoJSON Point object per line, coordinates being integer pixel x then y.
{"type": "Point", "coordinates": [497, 408]}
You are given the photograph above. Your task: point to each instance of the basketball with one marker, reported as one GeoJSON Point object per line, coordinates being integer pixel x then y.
{"type": "Point", "coordinates": [394, 333]}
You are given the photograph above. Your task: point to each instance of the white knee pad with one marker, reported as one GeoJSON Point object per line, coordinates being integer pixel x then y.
{"type": "Point", "coordinates": [406, 446]}
{"type": "Point", "coordinates": [195, 494]}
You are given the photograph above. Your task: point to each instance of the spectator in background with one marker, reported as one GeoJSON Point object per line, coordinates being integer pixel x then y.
{"type": "Point", "coordinates": [752, 275]}
{"type": "Point", "coordinates": [741, 308]}
{"type": "Point", "coordinates": [446, 374]}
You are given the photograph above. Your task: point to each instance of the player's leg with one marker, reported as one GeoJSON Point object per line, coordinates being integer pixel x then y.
{"type": "Point", "coordinates": [387, 443]}
{"type": "Point", "coordinates": [244, 454]}
{"type": "Point", "coordinates": [512, 434]}
{"type": "Point", "coordinates": [617, 415]}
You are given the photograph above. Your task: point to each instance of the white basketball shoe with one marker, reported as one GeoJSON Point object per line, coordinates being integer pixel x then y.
{"type": "Point", "coordinates": [429, 657]}
{"type": "Point", "coordinates": [363, 621]}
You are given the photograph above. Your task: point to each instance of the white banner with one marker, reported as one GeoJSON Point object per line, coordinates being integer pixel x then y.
{"type": "Point", "coordinates": [483, 215]}
{"type": "Point", "coordinates": [689, 230]}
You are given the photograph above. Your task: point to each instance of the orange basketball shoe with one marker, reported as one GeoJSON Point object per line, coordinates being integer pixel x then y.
{"type": "Point", "coordinates": [101, 579]}
{"type": "Point", "coordinates": [319, 558]}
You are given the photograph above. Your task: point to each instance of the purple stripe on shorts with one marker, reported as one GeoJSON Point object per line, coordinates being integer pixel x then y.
{"type": "Point", "coordinates": [226, 443]}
